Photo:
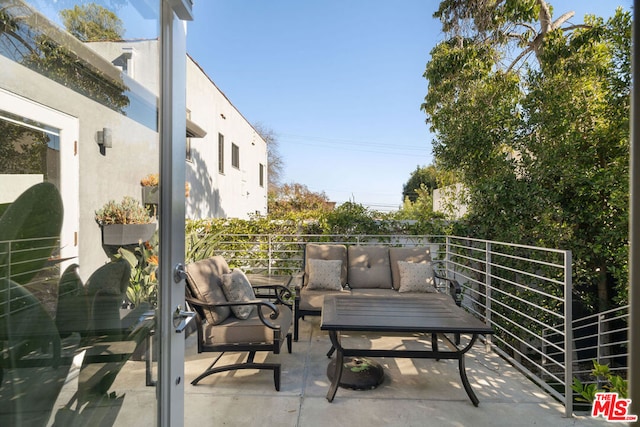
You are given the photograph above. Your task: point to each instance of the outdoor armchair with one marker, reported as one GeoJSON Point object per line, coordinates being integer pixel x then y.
{"type": "Point", "coordinates": [229, 318]}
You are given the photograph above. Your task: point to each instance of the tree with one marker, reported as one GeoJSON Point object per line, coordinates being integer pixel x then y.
{"type": "Point", "coordinates": [546, 162]}
{"type": "Point", "coordinates": [275, 163]}
{"type": "Point", "coordinates": [423, 177]}
{"type": "Point", "coordinates": [92, 22]}
{"type": "Point", "coordinates": [26, 43]}
{"type": "Point", "coordinates": [297, 199]}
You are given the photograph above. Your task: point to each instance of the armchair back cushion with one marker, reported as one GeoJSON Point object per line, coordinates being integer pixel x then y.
{"type": "Point", "coordinates": [204, 279]}
{"type": "Point", "coordinates": [326, 252]}
{"type": "Point", "coordinates": [421, 254]}
{"type": "Point", "coordinates": [369, 267]}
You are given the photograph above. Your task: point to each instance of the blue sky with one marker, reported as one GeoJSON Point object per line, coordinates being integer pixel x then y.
{"type": "Point", "coordinates": [340, 82]}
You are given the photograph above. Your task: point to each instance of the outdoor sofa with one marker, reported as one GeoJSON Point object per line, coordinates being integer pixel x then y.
{"type": "Point", "coordinates": [394, 272]}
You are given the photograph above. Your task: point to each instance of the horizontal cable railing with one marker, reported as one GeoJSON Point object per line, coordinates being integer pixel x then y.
{"type": "Point", "coordinates": [32, 264]}
{"type": "Point", "coordinates": [523, 292]}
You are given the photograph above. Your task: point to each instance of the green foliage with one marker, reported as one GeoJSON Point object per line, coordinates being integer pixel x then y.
{"type": "Point", "coordinates": [546, 162]}
{"type": "Point", "coordinates": [350, 218]}
{"type": "Point", "coordinates": [92, 22]}
{"type": "Point", "coordinates": [423, 178]}
{"type": "Point", "coordinates": [22, 150]}
{"type": "Point", "coordinates": [128, 211]}
{"type": "Point", "coordinates": [31, 224]}
{"type": "Point", "coordinates": [607, 382]}
{"type": "Point", "coordinates": [297, 200]}
{"type": "Point", "coordinates": [39, 51]}
{"type": "Point", "coordinates": [143, 283]}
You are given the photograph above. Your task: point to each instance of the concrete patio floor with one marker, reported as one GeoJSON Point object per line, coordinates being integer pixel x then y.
{"type": "Point", "coordinates": [413, 393]}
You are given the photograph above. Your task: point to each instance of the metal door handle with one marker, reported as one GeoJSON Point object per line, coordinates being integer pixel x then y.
{"type": "Point", "coordinates": [179, 273]}
{"type": "Point", "coordinates": [181, 318]}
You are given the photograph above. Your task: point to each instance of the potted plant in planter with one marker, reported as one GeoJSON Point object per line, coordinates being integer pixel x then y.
{"type": "Point", "coordinates": [150, 191]}
{"type": "Point", "coordinates": [125, 223]}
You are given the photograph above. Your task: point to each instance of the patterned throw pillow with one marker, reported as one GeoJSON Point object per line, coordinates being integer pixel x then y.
{"type": "Point", "coordinates": [416, 277]}
{"type": "Point", "coordinates": [236, 288]}
{"type": "Point", "coordinates": [324, 274]}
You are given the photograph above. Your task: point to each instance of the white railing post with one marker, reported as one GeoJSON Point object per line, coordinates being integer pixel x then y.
{"type": "Point", "coordinates": [568, 335]}
{"type": "Point", "coordinates": [447, 254]}
{"type": "Point", "coordinates": [599, 349]}
{"type": "Point", "coordinates": [487, 290]}
{"type": "Point", "coordinates": [270, 251]}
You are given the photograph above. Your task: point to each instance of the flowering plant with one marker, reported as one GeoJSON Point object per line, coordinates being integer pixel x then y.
{"type": "Point", "coordinates": [143, 283]}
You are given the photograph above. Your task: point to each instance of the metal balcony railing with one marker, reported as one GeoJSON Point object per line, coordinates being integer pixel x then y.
{"type": "Point", "coordinates": [523, 292]}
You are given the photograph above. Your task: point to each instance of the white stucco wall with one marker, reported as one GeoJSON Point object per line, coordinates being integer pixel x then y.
{"type": "Point", "coordinates": [450, 201]}
{"type": "Point", "coordinates": [102, 177]}
{"type": "Point", "coordinates": [112, 173]}
{"type": "Point", "coordinates": [237, 192]}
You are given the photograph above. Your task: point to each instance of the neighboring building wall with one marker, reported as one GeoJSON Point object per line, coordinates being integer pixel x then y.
{"type": "Point", "coordinates": [237, 192]}
{"type": "Point", "coordinates": [449, 200]}
{"type": "Point", "coordinates": [115, 173]}
{"type": "Point", "coordinates": [112, 173]}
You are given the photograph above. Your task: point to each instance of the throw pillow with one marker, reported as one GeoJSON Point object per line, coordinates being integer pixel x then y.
{"type": "Point", "coordinates": [236, 288]}
{"type": "Point", "coordinates": [324, 274]}
{"type": "Point", "coordinates": [416, 277]}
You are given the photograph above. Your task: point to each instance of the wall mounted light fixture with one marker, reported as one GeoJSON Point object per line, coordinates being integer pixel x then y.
{"type": "Point", "coordinates": [104, 138]}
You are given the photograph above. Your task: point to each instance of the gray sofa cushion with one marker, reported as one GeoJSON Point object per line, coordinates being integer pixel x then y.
{"type": "Point", "coordinates": [369, 267]}
{"type": "Point", "coordinates": [313, 299]}
{"type": "Point", "coordinates": [326, 252]}
{"type": "Point", "coordinates": [417, 254]}
{"type": "Point", "coordinates": [416, 277]}
{"type": "Point", "coordinates": [205, 281]}
{"type": "Point", "coordinates": [324, 274]}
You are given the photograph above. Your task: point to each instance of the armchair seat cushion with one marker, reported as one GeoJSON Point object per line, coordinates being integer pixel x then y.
{"type": "Point", "coordinates": [234, 331]}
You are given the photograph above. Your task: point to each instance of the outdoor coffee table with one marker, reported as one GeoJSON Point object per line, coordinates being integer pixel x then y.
{"type": "Point", "coordinates": [436, 315]}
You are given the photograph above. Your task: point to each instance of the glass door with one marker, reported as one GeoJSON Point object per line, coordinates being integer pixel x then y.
{"type": "Point", "coordinates": [89, 307]}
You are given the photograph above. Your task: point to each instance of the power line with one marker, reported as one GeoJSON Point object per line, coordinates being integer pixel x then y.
{"type": "Point", "coordinates": [355, 145]}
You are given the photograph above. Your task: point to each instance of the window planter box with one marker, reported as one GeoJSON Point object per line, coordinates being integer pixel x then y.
{"type": "Point", "coordinates": [126, 234]}
{"type": "Point", "coordinates": [150, 195]}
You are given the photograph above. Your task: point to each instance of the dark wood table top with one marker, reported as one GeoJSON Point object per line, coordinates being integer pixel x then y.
{"type": "Point", "coordinates": [435, 313]}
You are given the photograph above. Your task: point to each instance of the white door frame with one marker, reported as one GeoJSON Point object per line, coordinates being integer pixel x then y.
{"type": "Point", "coordinates": [69, 130]}
{"type": "Point", "coordinates": [173, 123]}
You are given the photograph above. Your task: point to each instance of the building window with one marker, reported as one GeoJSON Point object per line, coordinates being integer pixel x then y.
{"type": "Point", "coordinates": [188, 146]}
{"type": "Point", "coordinates": [261, 175]}
{"type": "Point", "coordinates": [235, 156]}
{"type": "Point", "coordinates": [220, 153]}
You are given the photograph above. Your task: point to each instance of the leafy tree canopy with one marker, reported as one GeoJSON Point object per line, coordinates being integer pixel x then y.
{"type": "Point", "coordinates": [296, 198]}
{"type": "Point", "coordinates": [92, 22]}
{"type": "Point", "coordinates": [532, 112]}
